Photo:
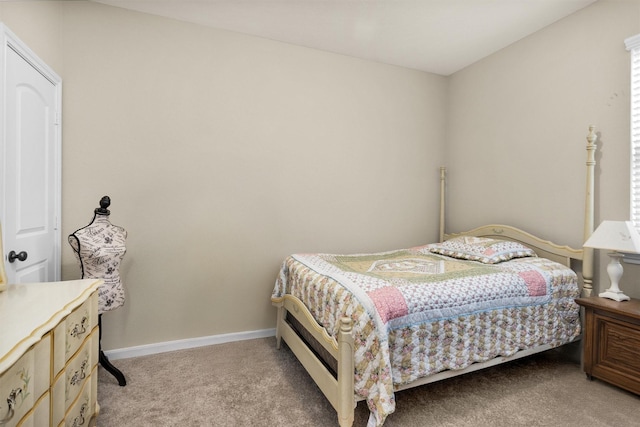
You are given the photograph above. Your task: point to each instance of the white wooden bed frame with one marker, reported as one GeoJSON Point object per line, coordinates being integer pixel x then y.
{"type": "Point", "coordinates": [340, 391]}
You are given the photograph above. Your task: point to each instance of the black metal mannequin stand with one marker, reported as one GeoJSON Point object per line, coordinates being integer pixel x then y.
{"type": "Point", "coordinates": [104, 361]}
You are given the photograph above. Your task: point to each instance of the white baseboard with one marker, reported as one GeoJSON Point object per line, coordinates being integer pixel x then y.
{"type": "Point", "coordinates": [162, 347]}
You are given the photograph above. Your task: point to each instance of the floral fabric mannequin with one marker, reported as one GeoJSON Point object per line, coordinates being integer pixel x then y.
{"type": "Point", "coordinates": [100, 247]}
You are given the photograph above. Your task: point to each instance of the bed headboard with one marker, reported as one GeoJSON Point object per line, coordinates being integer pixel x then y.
{"type": "Point", "coordinates": [544, 248]}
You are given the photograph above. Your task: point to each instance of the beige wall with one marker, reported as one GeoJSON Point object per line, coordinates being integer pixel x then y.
{"type": "Point", "coordinates": [517, 126]}
{"type": "Point", "coordinates": [224, 153]}
{"type": "Point", "coordinates": [39, 25]}
{"type": "Point", "coordinates": [213, 145]}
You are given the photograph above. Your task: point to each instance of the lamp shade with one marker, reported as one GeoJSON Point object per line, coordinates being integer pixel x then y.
{"type": "Point", "coordinates": [619, 236]}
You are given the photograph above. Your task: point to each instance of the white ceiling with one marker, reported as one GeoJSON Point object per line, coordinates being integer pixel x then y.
{"type": "Point", "coordinates": [438, 36]}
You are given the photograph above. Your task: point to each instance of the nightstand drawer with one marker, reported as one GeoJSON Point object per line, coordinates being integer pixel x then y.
{"type": "Point", "coordinates": [25, 382]}
{"type": "Point", "coordinates": [621, 346]}
{"type": "Point", "coordinates": [612, 341]}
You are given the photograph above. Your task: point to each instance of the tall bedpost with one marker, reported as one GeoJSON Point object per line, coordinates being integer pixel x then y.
{"type": "Point", "coordinates": [443, 173]}
{"type": "Point", "coordinates": [587, 260]}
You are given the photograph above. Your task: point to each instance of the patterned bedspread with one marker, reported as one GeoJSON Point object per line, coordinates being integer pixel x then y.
{"type": "Point", "coordinates": [416, 313]}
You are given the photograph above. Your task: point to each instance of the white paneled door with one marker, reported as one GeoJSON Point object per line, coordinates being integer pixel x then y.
{"type": "Point", "coordinates": [30, 165]}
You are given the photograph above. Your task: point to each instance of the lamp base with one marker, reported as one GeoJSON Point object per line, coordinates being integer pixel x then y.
{"type": "Point", "coordinates": [614, 295]}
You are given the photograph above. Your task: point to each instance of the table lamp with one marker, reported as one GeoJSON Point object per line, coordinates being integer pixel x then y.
{"type": "Point", "coordinates": [618, 237]}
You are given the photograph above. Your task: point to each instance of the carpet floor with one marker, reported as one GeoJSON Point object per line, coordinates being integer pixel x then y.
{"type": "Point", "coordinates": [251, 383]}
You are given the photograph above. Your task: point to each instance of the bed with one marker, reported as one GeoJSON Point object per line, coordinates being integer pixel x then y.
{"type": "Point", "coordinates": [365, 326]}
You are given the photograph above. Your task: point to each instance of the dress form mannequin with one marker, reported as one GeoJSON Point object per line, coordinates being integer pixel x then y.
{"type": "Point", "coordinates": [100, 247]}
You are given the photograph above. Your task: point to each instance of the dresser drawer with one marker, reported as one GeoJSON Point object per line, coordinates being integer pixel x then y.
{"type": "Point", "coordinates": [70, 334]}
{"type": "Point", "coordinates": [39, 416]}
{"type": "Point", "coordinates": [49, 354]}
{"type": "Point", "coordinates": [25, 381]}
{"type": "Point", "coordinates": [81, 410]}
{"type": "Point", "coordinates": [73, 377]}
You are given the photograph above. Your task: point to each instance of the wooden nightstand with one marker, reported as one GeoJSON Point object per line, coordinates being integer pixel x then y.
{"type": "Point", "coordinates": [612, 341]}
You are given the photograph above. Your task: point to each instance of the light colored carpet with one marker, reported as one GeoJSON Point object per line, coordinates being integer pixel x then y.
{"type": "Point", "coordinates": [250, 383]}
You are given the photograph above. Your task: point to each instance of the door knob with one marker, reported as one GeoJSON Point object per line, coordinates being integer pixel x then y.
{"type": "Point", "coordinates": [14, 256]}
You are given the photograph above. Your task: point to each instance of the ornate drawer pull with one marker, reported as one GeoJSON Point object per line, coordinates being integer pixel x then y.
{"type": "Point", "coordinates": [11, 401]}
{"type": "Point", "coordinates": [79, 375]}
{"type": "Point", "coordinates": [80, 328]}
{"type": "Point", "coordinates": [79, 420]}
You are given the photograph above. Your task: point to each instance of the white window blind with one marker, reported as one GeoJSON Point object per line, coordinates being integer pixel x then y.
{"type": "Point", "coordinates": [633, 45]}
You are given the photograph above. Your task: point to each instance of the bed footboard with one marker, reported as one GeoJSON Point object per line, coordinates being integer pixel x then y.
{"type": "Point", "coordinates": [338, 389]}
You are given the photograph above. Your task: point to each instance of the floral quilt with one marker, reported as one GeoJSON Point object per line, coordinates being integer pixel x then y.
{"type": "Point", "coordinates": [416, 313]}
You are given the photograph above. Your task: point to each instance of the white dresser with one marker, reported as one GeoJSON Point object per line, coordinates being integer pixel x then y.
{"type": "Point", "coordinates": [49, 354]}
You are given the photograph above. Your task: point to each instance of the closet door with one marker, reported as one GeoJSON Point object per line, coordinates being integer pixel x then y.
{"type": "Point", "coordinates": [31, 165]}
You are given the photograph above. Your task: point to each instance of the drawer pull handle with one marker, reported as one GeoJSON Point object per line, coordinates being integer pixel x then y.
{"type": "Point", "coordinates": [79, 328]}
{"type": "Point", "coordinates": [11, 401]}
{"type": "Point", "coordinates": [79, 420]}
{"type": "Point", "coordinates": [79, 375]}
